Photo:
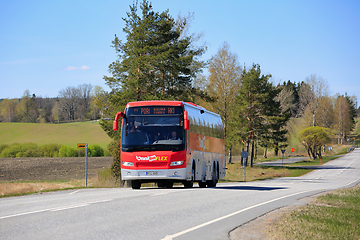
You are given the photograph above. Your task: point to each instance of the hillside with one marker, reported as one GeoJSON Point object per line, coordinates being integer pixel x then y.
{"type": "Point", "coordinates": [69, 134]}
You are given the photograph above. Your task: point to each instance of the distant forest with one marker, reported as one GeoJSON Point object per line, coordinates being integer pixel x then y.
{"type": "Point", "coordinates": [81, 103]}
{"type": "Point", "coordinates": [86, 102]}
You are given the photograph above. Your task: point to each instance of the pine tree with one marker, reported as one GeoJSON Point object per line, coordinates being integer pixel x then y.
{"type": "Point", "coordinates": [157, 61]}
{"type": "Point", "coordinates": [258, 115]}
{"type": "Point", "coordinates": [352, 111]}
{"type": "Point", "coordinates": [223, 85]}
{"type": "Point", "coordinates": [275, 117]}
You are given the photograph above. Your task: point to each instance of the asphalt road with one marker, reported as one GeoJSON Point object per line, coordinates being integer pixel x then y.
{"type": "Point", "coordinates": [151, 213]}
{"type": "Point", "coordinates": [287, 161]}
{"type": "Point", "coordinates": [284, 161]}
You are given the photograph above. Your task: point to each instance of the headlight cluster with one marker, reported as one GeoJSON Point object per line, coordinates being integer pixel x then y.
{"type": "Point", "coordinates": [176, 163]}
{"type": "Point", "coordinates": [129, 164]}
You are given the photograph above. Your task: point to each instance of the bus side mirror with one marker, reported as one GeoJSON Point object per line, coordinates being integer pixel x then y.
{"type": "Point", "coordinates": [115, 125]}
{"type": "Point", "coordinates": [186, 121]}
{"type": "Point", "coordinates": [187, 124]}
{"type": "Point", "coordinates": [116, 121]}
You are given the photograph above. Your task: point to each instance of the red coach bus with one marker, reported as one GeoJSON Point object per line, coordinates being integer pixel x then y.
{"type": "Point", "coordinates": [171, 141]}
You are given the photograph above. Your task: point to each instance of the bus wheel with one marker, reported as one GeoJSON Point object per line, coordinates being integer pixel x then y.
{"type": "Point", "coordinates": [169, 184]}
{"type": "Point", "coordinates": [160, 184]}
{"type": "Point", "coordinates": [189, 184]}
{"type": "Point", "coordinates": [135, 184]}
{"type": "Point", "coordinates": [202, 184]}
{"type": "Point", "coordinates": [213, 181]}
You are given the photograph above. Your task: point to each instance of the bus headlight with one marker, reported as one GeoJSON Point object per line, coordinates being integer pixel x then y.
{"type": "Point", "coordinates": [176, 163]}
{"type": "Point", "coordinates": [128, 164]}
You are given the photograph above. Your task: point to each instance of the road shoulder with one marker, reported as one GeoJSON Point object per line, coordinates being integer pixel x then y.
{"type": "Point", "coordinates": [262, 227]}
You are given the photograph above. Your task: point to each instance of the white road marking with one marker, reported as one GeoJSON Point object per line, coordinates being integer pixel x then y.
{"type": "Point", "coordinates": [21, 214]}
{"type": "Point", "coordinates": [74, 192]}
{"type": "Point", "coordinates": [70, 207]}
{"type": "Point", "coordinates": [170, 237]}
{"type": "Point", "coordinates": [353, 182]}
{"type": "Point", "coordinates": [174, 190]}
{"type": "Point", "coordinates": [159, 194]}
{"type": "Point", "coordinates": [55, 209]}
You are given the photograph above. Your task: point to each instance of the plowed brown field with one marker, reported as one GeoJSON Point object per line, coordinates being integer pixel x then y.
{"type": "Point", "coordinates": [37, 169]}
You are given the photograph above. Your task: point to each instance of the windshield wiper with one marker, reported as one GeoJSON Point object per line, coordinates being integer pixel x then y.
{"type": "Point", "coordinates": [139, 148]}
{"type": "Point", "coordinates": [154, 147]}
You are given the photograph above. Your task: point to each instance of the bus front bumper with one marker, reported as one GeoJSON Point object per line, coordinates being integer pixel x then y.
{"type": "Point", "coordinates": [154, 174]}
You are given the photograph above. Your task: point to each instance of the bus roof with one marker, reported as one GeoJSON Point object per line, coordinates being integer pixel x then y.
{"type": "Point", "coordinates": [155, 103]}
{"type": "Point", "coordinates": [194, 106]}
{"type": "Point", "coordinates": [167, 103]}
{"type": "Point", "coordinates": [162, 103]}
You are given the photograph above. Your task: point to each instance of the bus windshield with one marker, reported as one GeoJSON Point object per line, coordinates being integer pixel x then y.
{"type": "Point", "coordinates": [153, 133]}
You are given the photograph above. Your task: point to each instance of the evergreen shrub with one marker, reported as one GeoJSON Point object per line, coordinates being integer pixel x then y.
{"type": "Point", "coordinates": [96, 151]}
{"type": "Point", "coordinates": [11, 151]}
{"type": "Point", "coordinates": [66, 151]}
{"type": "Point", "coordinates": [50, 150]}
{"type": "Point", "coordinates": [2, 147]}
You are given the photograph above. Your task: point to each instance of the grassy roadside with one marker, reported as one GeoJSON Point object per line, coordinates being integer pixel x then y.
{"type": "Point", "coordinates": [334, 215]}
{"type": "Point", "coordinates": [21, 188]}
{"type": "Point", "coordinates": [29, 188]}
{"type": "Point", "coordinates": [235, 173]}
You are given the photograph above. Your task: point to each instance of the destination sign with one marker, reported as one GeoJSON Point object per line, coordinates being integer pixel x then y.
{"type": "Point", "coordinates": [154, 110]}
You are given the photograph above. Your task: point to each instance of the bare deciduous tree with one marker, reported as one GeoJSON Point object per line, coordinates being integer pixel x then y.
{"type": "Point", "coordinates": [84, 93]}
{"type": "Point", "coordinates": [342, 115]}
{"type": "Point", "coordinates": [99, 98]}
{"type": "Point", "coordinates": [325, 114]}
{"type": "Point", "coordinates": [8, 110]}
{"type": "Point", "coordinates": [224, 83]}
{"type": "Point", "coordinates": [285, 98]}
{"type": "Point", "coordinates": [68, 103]}
{"type": "Point", "coordinates": [311, 93]}
{"type": "Point", "coordinates": [74, 102]}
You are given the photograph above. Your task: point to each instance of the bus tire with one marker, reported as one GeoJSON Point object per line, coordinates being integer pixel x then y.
{"type": "Point", "coordinates": [214, 180]}
{"type": "Point", "coordinates": [135, 184]}
{"type": "Point", "coordinates": [202, 184]}
{"type": "Point", "coordinates": [169, 184]}
{"type": "Point", "coordinates": [190, 184]}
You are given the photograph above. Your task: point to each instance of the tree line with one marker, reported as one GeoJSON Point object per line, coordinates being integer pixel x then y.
{"type": "Point", "coordinates": [72, 104]}
{"type": "Point", "coordinates": [311, 101]}
{"type": "Point", "coordinates": [160, 59]}
{"type": "Point", "coordinates": [256, 111]}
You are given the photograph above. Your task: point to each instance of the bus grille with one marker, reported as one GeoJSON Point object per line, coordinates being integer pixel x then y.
{"type": "Point", "coordinates": [152, 164]}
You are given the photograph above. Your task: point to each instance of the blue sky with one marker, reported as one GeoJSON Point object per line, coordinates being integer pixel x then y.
{"type": "Point", "coordinates": [46, 46]}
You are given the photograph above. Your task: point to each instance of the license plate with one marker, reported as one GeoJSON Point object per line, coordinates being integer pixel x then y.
{"type": "Point", "coordinates": [151, 173]}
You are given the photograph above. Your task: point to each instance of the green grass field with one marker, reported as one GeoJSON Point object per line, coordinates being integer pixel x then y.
{"type": "Point", "coordinates": [68, 134]}
{"type": "Point", "coordinates": [335, 215]}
